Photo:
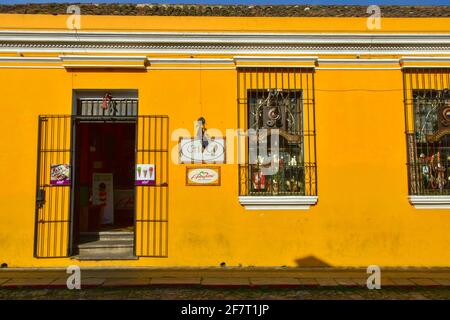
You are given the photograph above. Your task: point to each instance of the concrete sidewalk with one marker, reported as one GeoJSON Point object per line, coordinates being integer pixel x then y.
{"type": "Point", "coordinates": [224, 277]}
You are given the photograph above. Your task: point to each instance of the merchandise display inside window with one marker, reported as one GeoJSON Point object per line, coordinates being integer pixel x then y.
{"type": "Point", "coordinates": [428, 133]}
{"type": "Point", "coordinates": [276, 111]}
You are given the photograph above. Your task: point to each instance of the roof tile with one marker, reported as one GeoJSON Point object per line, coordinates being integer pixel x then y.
{"type": "Point", "coordinates": [228, 10]}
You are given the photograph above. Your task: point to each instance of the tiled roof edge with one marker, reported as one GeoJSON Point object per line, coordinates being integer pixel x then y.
{"type": "Point", "coordinates": [227, 10]}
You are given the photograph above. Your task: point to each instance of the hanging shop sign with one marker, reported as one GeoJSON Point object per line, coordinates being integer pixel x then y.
{"type": "Point", "coordinates": [203, 176]}
{"type": "Point", "coordinates": [194, 150]}
{"type": "Point", "coordinates": [60, 175]}
{"type": "Point", "coordinates": [103, 195]}
{"type": "Point", "coordinates": [145, 174]}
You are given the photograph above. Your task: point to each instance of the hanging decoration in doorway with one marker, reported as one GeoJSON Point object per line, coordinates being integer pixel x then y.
{"type": "Point", "coordinates": [60, 175]}
{"type": "Point", "coordinates": [145, 175]}
{"type": "Point", "coordinates": [106, 99]}
{"type": "Point", "coordinates": [108, 104]}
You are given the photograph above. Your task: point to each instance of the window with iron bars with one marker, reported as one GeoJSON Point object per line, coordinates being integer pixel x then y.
{"type": "Point", "coordinates": [276, 118]}
{"type": "Point", "coordinates": [427, 112]}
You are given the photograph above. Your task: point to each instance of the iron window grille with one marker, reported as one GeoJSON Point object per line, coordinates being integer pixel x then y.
{"type": "Point", "coordinates": [427, 114]}
{"type": "Point", "coordinates": [111, 108]}
{"type": "Point", "coordinates": [276, 101]}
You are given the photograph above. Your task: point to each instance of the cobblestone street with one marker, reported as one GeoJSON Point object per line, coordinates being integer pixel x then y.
{"type": "Point", "coordinates": [221, 294]}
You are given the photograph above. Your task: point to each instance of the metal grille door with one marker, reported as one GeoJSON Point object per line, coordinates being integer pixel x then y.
{"type": "Point", "coordinates": [53, 199]}
{"type": "Point", "coordinates": [152, 201]}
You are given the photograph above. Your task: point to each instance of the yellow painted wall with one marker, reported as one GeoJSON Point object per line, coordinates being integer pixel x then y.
{"type": "Point", "coordinates": [362, 216]}
{"type": "Point", "coordinates": [237, 24]}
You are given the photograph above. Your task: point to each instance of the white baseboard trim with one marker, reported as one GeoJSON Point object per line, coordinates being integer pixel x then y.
{"type": "Point", "coordinates": [277, 202]}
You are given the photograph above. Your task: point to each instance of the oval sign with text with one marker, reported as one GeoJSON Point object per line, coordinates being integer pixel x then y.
{"type": "Point", "coordinates": [203, 176]}
{"type": "Point", "coordinates": [197, 151]}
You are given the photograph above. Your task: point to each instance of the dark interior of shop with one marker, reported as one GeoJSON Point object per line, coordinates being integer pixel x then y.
{"type": "Point", "coordinates": [104, 176]}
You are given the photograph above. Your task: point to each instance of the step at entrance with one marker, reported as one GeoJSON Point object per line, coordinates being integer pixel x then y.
{"type": "Point", "coordinates": [106, 246]}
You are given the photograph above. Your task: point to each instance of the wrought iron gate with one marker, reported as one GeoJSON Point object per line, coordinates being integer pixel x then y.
{"type": "Point", "coordinates": [52, 200]}
{"type": "Point", "coordinates": [152, 201]}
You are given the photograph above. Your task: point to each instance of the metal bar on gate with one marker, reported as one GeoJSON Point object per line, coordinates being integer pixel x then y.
{"type": "Point", "coordinates": [155, 190]}
{"type": "Point", "coordinates": [152, 148]}
{"type": "Point", "coordinates": [52, 203]}
{"type": "Point", "coordinates": [38, 188]}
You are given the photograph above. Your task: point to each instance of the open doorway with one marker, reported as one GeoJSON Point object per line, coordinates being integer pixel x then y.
{"type": "Point", "coordinates": [105, 176]}
{"type": "Point", "coordinates": [104, 193]}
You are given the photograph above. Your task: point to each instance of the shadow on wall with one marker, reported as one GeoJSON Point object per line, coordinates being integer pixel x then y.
{"type": "Point", "coordinates": [311, 261]}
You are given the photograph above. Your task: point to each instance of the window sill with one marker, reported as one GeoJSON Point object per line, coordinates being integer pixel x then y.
{"type": "Point", "coordinates": [277, 202]}
{"type": "Point", "coordinates": [430, 202]}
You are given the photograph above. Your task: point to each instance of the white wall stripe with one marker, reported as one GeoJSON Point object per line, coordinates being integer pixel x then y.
{"type": "Point", "coordinates": [235, 43]}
